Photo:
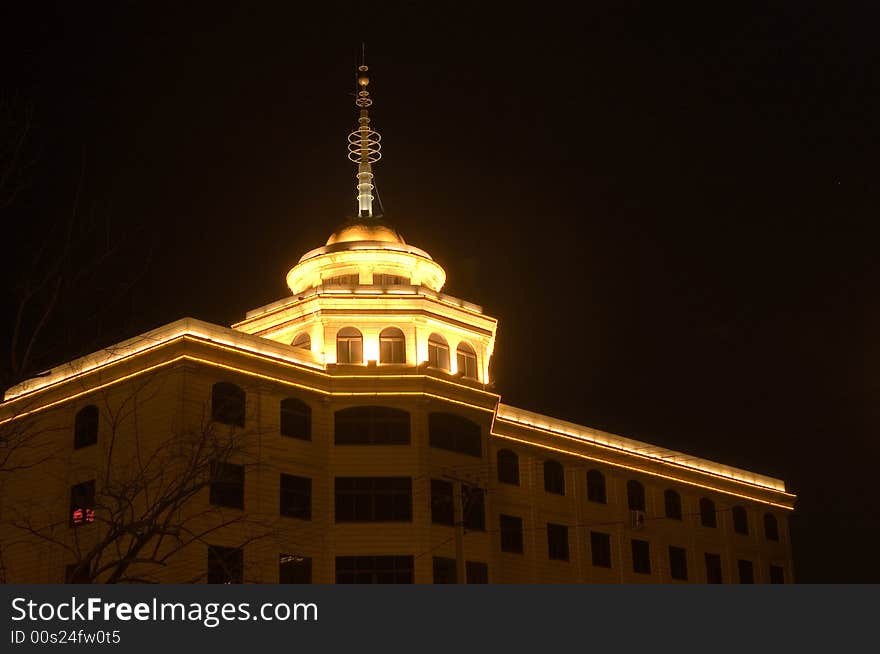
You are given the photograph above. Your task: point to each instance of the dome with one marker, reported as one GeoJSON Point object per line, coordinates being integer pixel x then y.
{"type": "Point", "coordinates": [371, 230]}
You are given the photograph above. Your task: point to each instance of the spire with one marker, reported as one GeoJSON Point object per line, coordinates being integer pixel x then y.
{"type": "Point", "coordinates": [364, 145]}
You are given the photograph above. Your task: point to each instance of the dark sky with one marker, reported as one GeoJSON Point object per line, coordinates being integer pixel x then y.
{"type": "Point", "coordinates": [672, 213]}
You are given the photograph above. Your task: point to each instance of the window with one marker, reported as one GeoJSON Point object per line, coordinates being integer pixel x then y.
{"type": "Point", "coordinates": [707, 513]}
{"type": "Point", "coordinates": [557, 542]}
{"type": "Point", "coordinates": [740, 520]}
{"type": "Point", "coordinates": [343, 280]}
{"type": "Point", "coordinates": [225, 565]}
{"type": "Point", "coordinates": [713, 569]}
{"type": "Point", "coordinates": [442, 502]}
{"type": "Point", "coordinates": [371, 425]}
{"type": "Point", "coordinates": [444, 570]}
{"type": "Point", "coordinates": [82, 503]}
{"type": "Point", "coordinates": [771, 527]}
{"type": "Point", "coordinates": [296, 497]}
{"type": "Point", "coordinates": [227, 404]}
{"type": "Point", "coordinates": [511, 534]}
{"type": "Point", "coordinates": [448, 431]}
{"type": "Point", "coordinates": [596, 487]}
{"type": "Point", "coordinates": [777, 574]}
{"type": "Point", "coordinates": [349, 346]}
{"type": "Point", "coordinates": [76, 573]}
{"type": "Point", "coordinates": [600, 545]}
{"type": "Point", "coordinates": [373, 499]}
{"type": "Point", "coordinates": [508, 467]}
{"type": "Point", "coordinates": [554, 478]}
{"type": "Point", "coordinates": [296, 419]}
{"type": "Point", "coordinates": [678, 568]}
{"type": "Point", "coordinates": [473, 506]}
{"type": "Point", "coordinates": [227, 485]}
{"type": "Point", "coordinates": [635, 495]}
{"type": "Point", "coordinates": [466, 360]}
{"type": "Point", "coordinates": [85, 427]}
{"type": "Point", "coordinates": [672, 502]}
{"type": "Point", "coordinates": [746, 571]}
{"type": "Point", "coordinates": [438, 352]}
{"type": "Point", "coordinates": [294, 569]}
{"type": "Point", "coordinates": [383, 279]}
{"type": "Point", "coordinates": [303, 341]}
{"type": "Point", "coordinates": [392, 346]}
{"type": "Point", "coordinates": [476, 572]}
{"type": "Point", "coordinates": [374, 569]}
{"type": "Point", "coordinates": [641, 553]}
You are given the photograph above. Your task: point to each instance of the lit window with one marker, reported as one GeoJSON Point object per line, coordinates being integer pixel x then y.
{"type": "Point", "coordinates": [227, 404]}
{"type": "Point", "coordinates": [707, 513]}
{"type": "Point", "coordinates": [227, 485]}
{"type": "Point", "coordinates": [295, 497]}
{"type": "Point", "coordinates": [740, 520]}
{"type": "Point", "coordinates": [371, 425]}
{"type": "Point", "coordinates": [635, 495]}
{"type": "Point", "coordinates": [438, 352]}
{"type": "Point", "coordinates": [771, 527]}
{"type": "Point", "coordinates": [672, 502]}
{"type": "Point", "coordinates": [678, 563]}
{"type": "Point", "coordinates": [225, 565]}
{"type": "Point", "coordinates": [596, 487]}
{"type": "Point", "coordinates": [449, 431]}
{"type": "Point", "coordinates": [557, 542]}
{"type": "Point", "coordinates": [641, 556]}
{"type": "Point", "coordinates": [554, 478]}
{"type": "Point", "coordinates": [349, 346]}
{"type": "Point", "coordinates": [508, 467]}
{"type": "Point", "coordinates": [296, 419]}
{"type": "Point", "coordinates": [466, 360]}
{"type": "Point", "coordinates": [374, 569]}
{"type": "Point", "coordinates": [294, 569]}
{"type": "Point", "coordinates": [511, 534]}
{"type": "Point", "coordinates": [600, 545]}
{"type": "Point", "coordinates": [392, 346]}
{"type": "Point", "coordinates": [85, 429]}
{"type": "Point", "coordinates": [304, 341]}
{"type": "Point", "coordinates": [82, 503]}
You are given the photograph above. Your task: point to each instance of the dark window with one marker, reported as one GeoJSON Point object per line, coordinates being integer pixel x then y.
{"type": "Point", "coordinates": [349, 346]}
{"type": "Point", "coordinates": [227, 404]}
{"type": "Point", "coordinates": [373, 499]}
{"type": "Point", "coordinates": [771, 527]}
{"type": "Point", "coordinates": [476, 572]}
{"type": "Point", "coordinates": [448, 431]}
{"type": "Point", "coordinates": [304, 341]}
{"type": "Point", "coordinates": [713, 569]}
{"type": "Point", "coordinates": [296, 419]}
{"type": "Point", "coordinates": [557, 542]}
{"type": "Point", "coordinates": [746, 571]}
{"type": "Point", "coordinates": [635, 495]}
{"type": "Point", "coordinates": [382, 279]}
{"type": "Point", "coordinates": [596, 487]}
{"type": "Point", "coordinates": [85, 427]}
{"type": "Point", "coordinates": [392, 346]}
{"type": "Point", "coordinates": [343, 280]}
{"type": "Point", "coordinates": [777, 574]}
{"type": "Point", "coordinates": [372, 425]}
{"type": "Point", "coordinates": [511, 534]}
{"type": "Point", "coordinates": [79, 574]}
{"type": "Point", "coordinates": [600, 545]}
{"type": "Point", "coordinates": [740, 520]}
{"type": "Point", "coordinates": [707, 513]}
{"type": "Point", "coordinates": [374, 569]}
{"type": "Point", "coordinates": [442, 502]}
{"type": "Point", "coordinates": [473, 506]}
{"type": "Point", "coordinates": [296, 497]}
{"type": "Point", "coordinates": [294, 569]}
{"type": "Point", "coordinates": [444, 570]}
{"type": "Point", "coordinates": [225, 565]}
{"type": "Point", "coordinates": [227, 485]}
{"type": "Point", "coordinates": [672, 502]}
{"type": "Point", "coordinates": [508, 467]}
{"type": "Point", "coordinates": [641, 553]}
{"type": "Point", "coordinates": [466, 360]}
{"type": "Point", "coordinates": [438, 352]}
{"type": "Point", "coordinates": [678, 565]}
{"type": "Point", "coordinates": [82, 503]}
{"type": "Point", "coordinates": [554, 478]}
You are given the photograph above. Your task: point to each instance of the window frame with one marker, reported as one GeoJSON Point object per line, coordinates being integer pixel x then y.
{"type": "Point", "coordinates": [86, 423]}
{"type": "Point", "coordinates": [512, 460]}
{"type": "Point", "coordinates": [346, 338]}
{"type": "Point", "coordinates": [295, 501]}
{"type": "Point", "coordinates": [558, 548]}
{"type": "Point", "coordinates": [396, 341]}
{"type": "Point", "coordinates": [228, 404]}
{"type": "Point", "coordinates": [296, 411]}
{"type": "Point", "coordinates": [438, 352]}
{"type": "Point", "coordinates": [511, 534]}
{"type": "Point", "coordinates": [373, 499]}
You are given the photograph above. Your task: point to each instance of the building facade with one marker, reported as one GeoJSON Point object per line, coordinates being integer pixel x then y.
{"type": "Point", "coordinates": [350, 433]}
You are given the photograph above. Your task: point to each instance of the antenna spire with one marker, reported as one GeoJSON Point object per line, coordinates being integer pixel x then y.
{"type": "Point", "coordinates": [364, 144]}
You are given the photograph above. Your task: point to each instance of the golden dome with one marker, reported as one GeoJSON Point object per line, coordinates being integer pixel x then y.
{"type": "Point", "coordinates": [365, 231]}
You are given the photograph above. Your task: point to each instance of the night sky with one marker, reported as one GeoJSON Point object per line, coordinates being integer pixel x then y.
{"type": "Point", "coordinates": [672, 213]}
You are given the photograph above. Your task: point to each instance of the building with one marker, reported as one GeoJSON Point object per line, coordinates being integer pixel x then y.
{"type": "Point", "coordinates": [349, 432]}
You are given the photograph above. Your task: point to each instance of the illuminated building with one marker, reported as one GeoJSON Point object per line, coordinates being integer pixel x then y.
{"type": "Point", "coordinates": [377, 449]}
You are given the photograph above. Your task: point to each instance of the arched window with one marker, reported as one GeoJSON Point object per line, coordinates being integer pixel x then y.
{"type": "Point", "coordinates": [771, 527]}
{"type": "Point", "coordinates": [596, 487]}
{"type": "Point", "coordinates": [449, 431]}
{"type": "Point", "coordinates": [466, 360]}
{"type": "Point", "coordinates": [227, 404]}
{"type": "Point", "coordinates": [303, 340]}
{"type": "Point", "coordinates": [707, 513]}
{"type": "Point", "coordinates": [438, 352]}
{"type": "Point", "coordinates": [371, 425]}
{"type": "Point", "coordinates": [392, 346]}
{"type": "Point", "coordinates": [672, 502]}
{"type": "Point", "coordinates": [296, 419]}
{"type": "Point", "coordinates": [740, 520]}
{"type": "Point", "coordinates": [508, 467]}
{"type": "Point", "coordinates": [349, 346]}
{"type": "Point", "coordinates": [554, 477]}
{"type": "Point", "coordinates": [635, 495]}
{"type": "Point", "coordinates": [85, 427]}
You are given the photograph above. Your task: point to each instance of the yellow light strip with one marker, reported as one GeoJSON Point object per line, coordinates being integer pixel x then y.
{"type": "Point", "coordinates": [646, 472]}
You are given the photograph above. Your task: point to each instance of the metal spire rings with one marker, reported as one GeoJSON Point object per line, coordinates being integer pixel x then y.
{"type": "Point", "coordinates": [364, 147]}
